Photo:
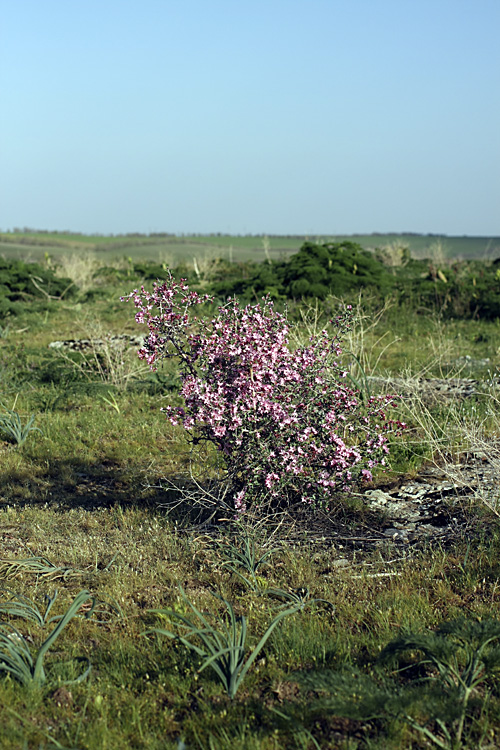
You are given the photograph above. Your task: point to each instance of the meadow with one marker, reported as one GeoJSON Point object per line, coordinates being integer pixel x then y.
{"type": "Point", "coordinates": [138, 611]}
{"type": "Point", "coordinates": [176, 248]}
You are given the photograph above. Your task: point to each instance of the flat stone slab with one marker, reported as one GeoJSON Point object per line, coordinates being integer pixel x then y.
{"type": "Point", "coordinates": [432, 504]}
{"type": "Point", "coordinates": [80, 345]}
{"type": "Point", "coordinates": [433, 389]}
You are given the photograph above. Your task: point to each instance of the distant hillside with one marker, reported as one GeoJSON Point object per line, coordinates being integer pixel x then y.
{"type": "Point", "coordinates": [35, 245]}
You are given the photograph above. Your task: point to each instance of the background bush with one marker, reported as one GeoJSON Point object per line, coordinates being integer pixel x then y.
{"type": "Point", "coordinates": [21, 281]}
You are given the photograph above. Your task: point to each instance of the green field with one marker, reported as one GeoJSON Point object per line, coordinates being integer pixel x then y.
{"type": "Point", "coordinates": [34, 245]}
{"type": "Point", "coordinates": [91, 475]}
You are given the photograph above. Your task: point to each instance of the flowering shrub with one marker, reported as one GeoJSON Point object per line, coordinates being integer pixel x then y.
{"type": "Point", "coordinates": [287, 424]}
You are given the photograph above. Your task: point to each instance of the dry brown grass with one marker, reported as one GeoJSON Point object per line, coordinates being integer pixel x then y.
{"type": "Point", "coordinates": [79, 267]}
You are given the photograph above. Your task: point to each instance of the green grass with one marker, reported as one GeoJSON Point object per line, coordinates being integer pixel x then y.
{"type": "Point", "coordinates": [82, 509]}
{"type": "Point", "coordinates": [183, 247]}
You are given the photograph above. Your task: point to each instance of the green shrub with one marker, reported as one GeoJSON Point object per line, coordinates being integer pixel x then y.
{"type": "Point", "coordinates": [333, 267]}
{"type": "Point", "coordinates": [462, 290]}
{"type": "Point", "coordinates": [315, 271]}
{"type": "Point", "coordinates": [150, 271]}
{"type": "Point", "coordinates": [21, 282]}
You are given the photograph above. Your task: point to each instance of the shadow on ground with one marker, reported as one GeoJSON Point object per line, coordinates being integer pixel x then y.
{"type": "Point", "coordinates": [427, 509]}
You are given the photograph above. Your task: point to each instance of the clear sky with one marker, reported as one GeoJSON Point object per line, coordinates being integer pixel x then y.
{"type": "Point", "coordinates": [261, 116]}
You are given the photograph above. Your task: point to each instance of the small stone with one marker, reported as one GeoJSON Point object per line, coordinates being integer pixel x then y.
{"type": "Point", "coordinates": [404, 527]}
{"type": "Point", "coordinates": [378, 498]}
{"type": "Point", "coordinates": [397, 535]}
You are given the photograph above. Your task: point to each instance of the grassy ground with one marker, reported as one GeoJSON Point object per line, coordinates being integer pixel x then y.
{"type": "Point", "coordinates": [82, 509]}
{"type": "Point", "coordinates": [258, 248]}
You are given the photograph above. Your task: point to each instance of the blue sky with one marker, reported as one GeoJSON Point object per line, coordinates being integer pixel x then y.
{"type": "Point", "coordinates": [270, 116]}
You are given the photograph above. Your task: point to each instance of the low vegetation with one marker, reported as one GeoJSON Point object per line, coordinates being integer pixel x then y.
{"type": "Point", "coordinates": [139, 610]}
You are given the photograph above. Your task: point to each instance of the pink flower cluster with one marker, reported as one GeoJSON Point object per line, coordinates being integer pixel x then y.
{"type": "Point", "coordinates": [286, 422]}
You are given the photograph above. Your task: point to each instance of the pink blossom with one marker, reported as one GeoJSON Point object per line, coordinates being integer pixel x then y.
{"type": "Point", "coordinates": [285, 421]}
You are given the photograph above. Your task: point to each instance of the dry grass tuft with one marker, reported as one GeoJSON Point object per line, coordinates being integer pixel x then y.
{"type": "Point", "coordinates": [393, 255]}
{"type": "Point", "coordinates": [79, 267]}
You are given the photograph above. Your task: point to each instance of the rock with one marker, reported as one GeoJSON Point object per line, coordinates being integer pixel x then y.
{"type": "Point", "coordinates": [431, 389]}
{"type": "Point", "coordinates": [115, 342]}
{"type": "Point", "coordinates": [397, 535]}
{"type": "Point", "coordinates": [378, 498]}
{"type": "Point", "coordinates": [432, 504]}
